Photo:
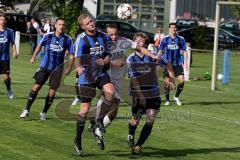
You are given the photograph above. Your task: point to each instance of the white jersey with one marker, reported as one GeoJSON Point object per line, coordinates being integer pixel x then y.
{"type": "Point", "coordinates": [118, 52]}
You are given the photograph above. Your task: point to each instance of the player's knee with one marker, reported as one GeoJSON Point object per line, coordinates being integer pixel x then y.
{"type": "Point", "coordinates": [134, 121]}
{"type": "Point", "coordinates": [108, 88]}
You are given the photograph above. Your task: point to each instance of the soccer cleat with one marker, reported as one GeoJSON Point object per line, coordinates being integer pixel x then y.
{"type": "Point", "coordinates": [43, 116]}
{"type": "Point", "coordinates": [10, 94]}
{"type": "Point", "coordinates": [167, 103]}
{"type": "Point", "coordinates": [130, 140]}
{"type": "Point", "coordinates": [78, 149]}
{"type": "Point", "coordinates": [99, 137]}
{"type": "Point", "coordinates": [137, 150]}
{"type": "Point", "coordinates": [179, 103]}
{"type": "Point", "coordinates": [76, 101]}
{"type": "Point", "coordinates": [24, 113]}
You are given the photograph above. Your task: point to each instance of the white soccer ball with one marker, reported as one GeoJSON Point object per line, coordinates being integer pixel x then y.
{"type": "Point", "coordinates": [219, 76]}
{"type": "Point", "coordinates": [124, 11]}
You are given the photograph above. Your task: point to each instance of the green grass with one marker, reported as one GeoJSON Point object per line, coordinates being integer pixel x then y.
{"type": "Point", "coordinates": [207, 126]}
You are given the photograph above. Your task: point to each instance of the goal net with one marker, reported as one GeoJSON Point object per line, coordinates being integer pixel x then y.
{"type": "Point", "coordinates": [226, 57]}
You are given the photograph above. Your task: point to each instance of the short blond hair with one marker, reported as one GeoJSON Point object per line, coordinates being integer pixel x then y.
{"type": "Point", "coordinates": [82, 16]}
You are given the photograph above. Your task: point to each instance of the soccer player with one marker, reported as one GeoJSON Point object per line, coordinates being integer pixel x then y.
{"type": "Point", "coordinates": [144, 90]}
{"type": "Point", "coordinates": [170, 47]}
{"type": "Point", "coordinates": [6, 37]}
{"type": "Point", "coordinates": [92, 59]}
{"type": "Point", "coordinates": [118, 48]}
{"type": "Point", "coordinates": [51, 67]}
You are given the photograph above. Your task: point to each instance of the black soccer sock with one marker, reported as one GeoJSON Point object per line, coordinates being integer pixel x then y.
{"type": "Point", "coordinates": [8, 83]}
{"type": "Point", "coordinates": [167, 92]}
{"type": "Point", "coordinates": [31, 98]}
{"type": "Point", "coordinates": [79, 129]}
{"type": "Point", "coordinates": [48, 103]}
{"type": "Point", "coordinates": [77, 90]}
{"type": "Point", "coordinates": [179, 89]}
{"type": "Point", "coordinates": [146, 131]}
{"type": "Point", "coordinates": [131, 129]}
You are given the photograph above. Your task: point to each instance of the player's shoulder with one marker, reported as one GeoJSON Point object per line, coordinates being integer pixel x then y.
{"type": "Point", "coordinates": [9, 29]}
{"type": "Point", "coordinates": [180, 37]}
{"type": "Point", "coordinates": [67, 36]}
{"type": "Point", "coordinates": [129, 58]}
{"type": "Point", "coordinates": [48, 34]}
{"type": "Point", "coordinates": [80, 37]}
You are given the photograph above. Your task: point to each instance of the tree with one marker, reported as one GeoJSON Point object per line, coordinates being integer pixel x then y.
{"type": "Point", "coordinates": [6, 5]}
{"type": "Point", "coordinates": [69, 10]}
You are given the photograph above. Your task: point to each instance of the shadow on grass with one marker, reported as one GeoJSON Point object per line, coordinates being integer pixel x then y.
{"type": "Point", "coordinates": [209, 103]}
{"type": "Point", "coordinates": [157, 152]}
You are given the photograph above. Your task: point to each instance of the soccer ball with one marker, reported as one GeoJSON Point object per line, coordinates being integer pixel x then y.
{"type": "Point", "coordinates": [124, 11]}
{"type": "Point", "coordinates": [219, 76]}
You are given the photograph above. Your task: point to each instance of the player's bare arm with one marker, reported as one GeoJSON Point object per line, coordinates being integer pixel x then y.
{"type": "Point", "coordinates": [38, 48]}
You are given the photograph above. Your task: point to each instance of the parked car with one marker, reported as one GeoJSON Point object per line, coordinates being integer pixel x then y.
{"type": "Point", "coordinates": [203, 37]}
{"type": "Point", "coordinates": [125, 29]}
{"type": "Point", "coordinates": [186, 23]}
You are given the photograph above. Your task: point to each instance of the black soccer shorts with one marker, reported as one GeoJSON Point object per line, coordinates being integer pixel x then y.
{"type": "Point", "coordinates": [178, 70]}
{"type": "Point", "coordinates": [5, 67]}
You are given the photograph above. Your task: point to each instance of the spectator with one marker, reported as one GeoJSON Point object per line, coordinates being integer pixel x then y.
{"type": "Point", "coordinates": [47, 26]}
{"type": "Point", "coordinates": [158, 36]}
{"type": "Point", "coordinates": [32, 35]}
{"type": "Point", "coordinates": [35, 23]}
{"type": "Point", "coordinates": [41, 29]}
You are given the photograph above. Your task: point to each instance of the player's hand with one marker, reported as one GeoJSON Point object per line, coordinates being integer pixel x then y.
{"type": "Point", "coordinates": [32, 60]}
{"type": "Point", "coordinates": [100, 62]}
{"type": "Point", "coordinates": [15, 55]}
{"type": "Point", "coordinates": [156, 57]}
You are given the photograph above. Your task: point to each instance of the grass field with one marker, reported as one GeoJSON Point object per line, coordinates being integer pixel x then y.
{"type": "Point", "coordinates": [207, 126]}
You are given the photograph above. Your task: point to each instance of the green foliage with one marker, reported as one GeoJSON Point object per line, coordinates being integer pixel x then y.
{"type": "Point", "coordinates": [69, 10]}
{"type": "Point", "coordinates": [199, 38]}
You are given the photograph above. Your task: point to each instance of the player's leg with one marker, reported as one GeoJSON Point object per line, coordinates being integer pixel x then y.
{"type": "Point", "coordinates": [166, 87]}
{"type": "Point", "coordinates": [137, 112]}
{"type": "Point", "coordinates": [147, 128]}
{"type": "Point", "coordinates": [54, 83]}
{"type": "Point", "coordinates": [48, 102]}
{"type": "Point", "coordinates": [114, 108]}
{"type": "Point", "coordinates": [40, 77]}
{"type": "Point", "coordinates": [5, 71]}
{"type": "Point", "coordinates": [77, 97]}
{"type": "Point", "coordinates": [180, 76]}
{"type": "Point", "coordinates": [87, 93]}
{"type": "Point", "coordinates": [81, 119]}
{"type": "Point", "coordinates": [111, 115]}
{"type": "Point", "coordinates": [105, 101]}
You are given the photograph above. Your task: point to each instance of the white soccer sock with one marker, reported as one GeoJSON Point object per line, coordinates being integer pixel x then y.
{"type": "Point", "coordinates": [106, 121]}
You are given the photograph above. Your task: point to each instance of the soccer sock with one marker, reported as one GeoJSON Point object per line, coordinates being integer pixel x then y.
{"type": "Point", "coordinates": [77, 90]}
{"type": "Point", "coordinates": [106, 121]}
{"type": "Point", "coordinates": [131, 129]}
{"type": "Point", "coordinates": [167, 91]}
{"type": "Point", "coordinates": [48, 103]}
{"type": "Point", "coordinates": [179, 89]}
{"type": "Point", "coordinates": [31, 98]}
{"type": "Point", "coordinates": [8, 83]}
{"type": "Point", "coordinates": [102, 109]}
{"type": "Point", "coordinates": [79, 129]}
{"type": "Point", "coordinates": [146, 131]}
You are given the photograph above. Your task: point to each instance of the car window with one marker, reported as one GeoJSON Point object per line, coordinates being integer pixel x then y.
{"type": "Point", "coordinates": [124, 26]}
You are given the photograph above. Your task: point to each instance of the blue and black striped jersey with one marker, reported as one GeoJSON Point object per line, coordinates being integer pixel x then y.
{"type": "Point", "coordinates": [6, 37]}
{"type": "Point", "coordinates": [171, 49]}
{"type": "Point", "coordinates": [89, 49]}
{"type": "Point", "coordinates": [54, 50]}
{"type": "Point", "coordinates": [143, 70]}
